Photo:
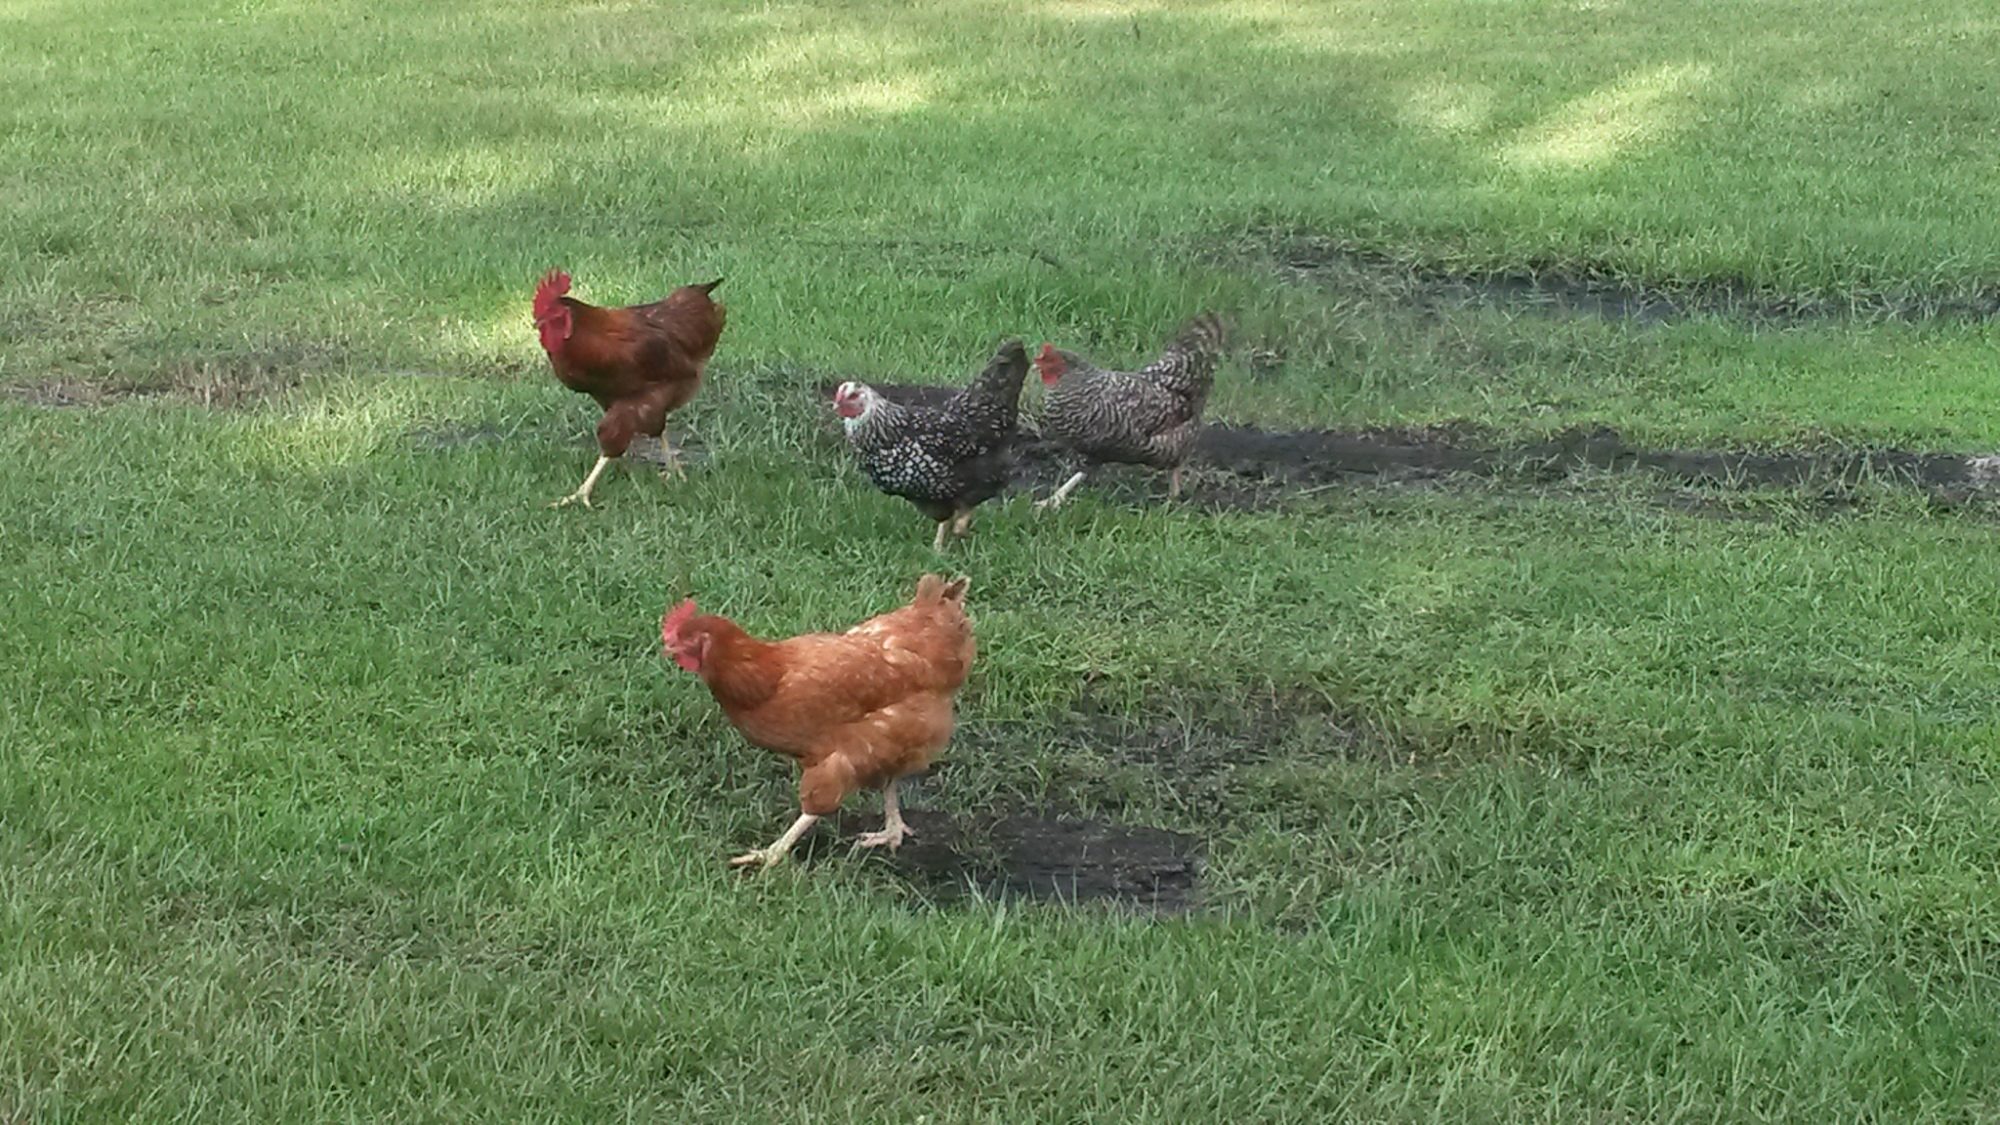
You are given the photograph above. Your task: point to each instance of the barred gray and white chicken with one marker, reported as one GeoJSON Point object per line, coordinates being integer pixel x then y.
{"type": "Point", "coordinates": [1145, 417]}
{"type": "Point", "coordinates": [946, 459]}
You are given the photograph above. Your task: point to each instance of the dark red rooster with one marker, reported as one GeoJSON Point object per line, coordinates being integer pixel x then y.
{"type": "Point", "coordinates": [641, 363]}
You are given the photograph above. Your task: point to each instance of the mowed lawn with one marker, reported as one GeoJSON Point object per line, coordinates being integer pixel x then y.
{"type": "Point", "coordinates": [340, 780]}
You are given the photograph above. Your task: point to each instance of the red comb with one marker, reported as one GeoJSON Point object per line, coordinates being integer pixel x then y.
{"type": "Point", "coordinates": [670, 625]}
{"type": "Point", "coordinates": [549, 293]}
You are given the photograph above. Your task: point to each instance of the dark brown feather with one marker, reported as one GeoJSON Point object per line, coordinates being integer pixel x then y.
{"type": "Point", "coordinates": [641, 362]}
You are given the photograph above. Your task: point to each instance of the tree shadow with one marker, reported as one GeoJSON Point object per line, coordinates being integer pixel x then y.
{"type": "Point", "coordinates": [880, 183]}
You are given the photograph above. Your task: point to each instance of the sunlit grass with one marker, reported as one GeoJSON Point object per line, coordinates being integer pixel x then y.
{"type": "Point", "coordinates": [421, 165]}
{"type": "Point", "coordinates": [344, 781]}
{"type": "Point", "coordinates": [1637, 112]}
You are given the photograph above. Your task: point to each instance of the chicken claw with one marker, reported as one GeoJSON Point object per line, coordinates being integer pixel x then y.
{"type": "Point", "coordinates": [582, 493]}
{"type": "Point", "coordinates": [671, 466]}
{"type": "Point", "coordinates": [958, 524]}
{"type": "Point", "coordinates": [1061, 494]}
{"type": "Point", "coordinates": [894, 831]}
{"type": "Point", "coordinates": [892, 835]}
{"type": "Point", "coordinates": [766, 858]}
{"type": "Point", "coordinates": [762, 857]}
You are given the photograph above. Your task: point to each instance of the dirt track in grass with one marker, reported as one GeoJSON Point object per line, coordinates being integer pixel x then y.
{"type": "Point", "coordinates": [1086, 840]}
{"type": "Point", "coordinates": [1073, 860]}
{"type": "Point", "coordinates": [1243, 467]}
{"type": "Point", "coordinates": [1589, 290]}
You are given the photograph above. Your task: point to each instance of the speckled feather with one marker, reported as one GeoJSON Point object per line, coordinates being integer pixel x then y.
{"type": "Point", "coordinates": [951, 457]}
{"type": "Point", "coordinates": [1144, 417]}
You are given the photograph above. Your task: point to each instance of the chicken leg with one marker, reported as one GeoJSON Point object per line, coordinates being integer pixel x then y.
{"type": "Point", "coordinates": [582, 493]}
{"type": "Point", "coordinates": [767, 857]}
{"type": "Point", "coordinates": [894, 831]}
{"type": "Point", "coordinates": [1062, 493]}
{"type": "Point", "coordinates": [671, 467]}
{"type": "Point", "coordinates": [1174, 484]}
{"type": "Point", "coordinates": [960, 523]}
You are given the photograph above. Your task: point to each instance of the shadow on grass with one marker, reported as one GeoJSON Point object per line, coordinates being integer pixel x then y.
{"type": "Point", "coordinates": [868, 170]}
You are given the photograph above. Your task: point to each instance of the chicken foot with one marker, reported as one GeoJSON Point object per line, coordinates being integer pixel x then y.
{"type": "Point", "coordinates": [582, 493]}
{"type": "Point", "coordinates": [671, 466]}
{"type": "Point", "coordinates": [894, 831]}
{"type": "Point", "coordinates": [960, 524]}
{"type": "Point", "coordinates": [1062, 493]}
{"type": "Point", "coordinates": [768, 857]}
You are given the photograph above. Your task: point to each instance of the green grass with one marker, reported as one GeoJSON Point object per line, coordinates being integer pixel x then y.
{"type": "Point", "coordinates": [343, 781]}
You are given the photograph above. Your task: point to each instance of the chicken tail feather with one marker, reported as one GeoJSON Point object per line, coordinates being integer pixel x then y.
{"type": "Point", "coordinates": [933, 589]}
{"type": "Point", "coordinates": [1206, 334]}
{"type": "Point", "coordinates": [1000, 381]}
{"type": "Point", "coordinates": [1187, 367]}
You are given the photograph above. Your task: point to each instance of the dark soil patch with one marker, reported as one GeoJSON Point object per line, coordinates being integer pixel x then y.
{"type": "Point", "coordinates": [1184, 752]}
{"type": "Point", "coordinates": [62, 393]}
{"type": "Point", "coordinates": [1245, 468]}
{"type": "Point", "coordinates": [213, 387]}
{"type": "Point", "coordinates": [1107, 768]}
{"type": "Point", "coordinates": [1570, 289]}
{"type": "Point", "coordinates": [1324, 457]}
{"type": "Point", "coordinates": [1048, 859]}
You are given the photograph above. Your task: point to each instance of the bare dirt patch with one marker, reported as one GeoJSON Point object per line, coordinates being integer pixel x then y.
{"type": "Point", "coordinates": [1184, 752]}
{"type": "Point", "coordinates": [230, 385]}
{"type": "Point", "coordinates": [1246, 468]}
{"type": "Point", "coordinates": [1071, 860]}
{"type": "Point", "coordinates": [1582, 290]}
{"type": "Point", "coordinates": [1322, 457]}
{"type": "Point", "coordinates": [62, 393]}
{"type": "Point", "coordinates": [1108, 769]}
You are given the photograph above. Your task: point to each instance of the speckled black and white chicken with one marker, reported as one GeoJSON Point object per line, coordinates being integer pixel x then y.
{"type": "Point", "coordinates": [1145, 417]}
{"type": "Point", "coordinates": [946, 459]}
